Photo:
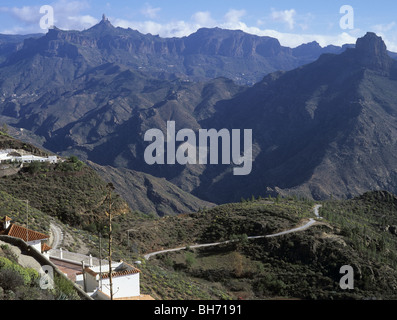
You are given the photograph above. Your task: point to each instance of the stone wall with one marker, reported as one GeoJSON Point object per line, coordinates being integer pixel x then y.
{"type": "Point", "coordinates": [42, 260]}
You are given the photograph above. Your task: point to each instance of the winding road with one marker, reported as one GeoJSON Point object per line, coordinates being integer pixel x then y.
{"type": "Point", "coordinates": [301, 228]}
{"type": "Point", "coordinates": [56, 235]}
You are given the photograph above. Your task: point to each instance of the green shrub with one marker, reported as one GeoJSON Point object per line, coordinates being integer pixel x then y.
{"type": "Point", "coordinates": [268, 285]}
{"type": "Point", "coordinates": [10, 279]}
{"type": "Point", "coordinates": [190, 259]}
{"type": "Point", "coordinates": [19, 275]}
{"type": "Point", "coordinates": [64, 289]}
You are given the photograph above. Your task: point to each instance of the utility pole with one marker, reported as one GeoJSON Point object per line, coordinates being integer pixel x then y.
{"type": "Point", "coordinates": [100, 260]}
{"type": "Point", "coordinates": [84, 276]}
{"type": "Point", "coordinates": [27, 220]}
{"type": "Point", "coordinates": [109, 214]}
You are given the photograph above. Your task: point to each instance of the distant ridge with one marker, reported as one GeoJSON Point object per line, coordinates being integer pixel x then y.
{"type": "Point", "coordinates": [324, 129]}
{"type": "Point", "coordinates": [207, 53]}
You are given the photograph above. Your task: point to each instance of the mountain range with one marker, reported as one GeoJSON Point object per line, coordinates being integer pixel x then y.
{"type": "Point", "coordinates": [206, 54]}
{"type": "Point", "coordinates": [323, 119]}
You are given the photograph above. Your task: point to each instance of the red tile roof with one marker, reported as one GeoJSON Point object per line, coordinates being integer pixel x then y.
{"type": "Point", "coordinates": [23, 233]}
{"type": "Point", "coordinates": [45, 247]}
{"type": "Point", "coordinates": [131, 266]}
{"type": "Point", "coordinates": [89, 271]}
{"type": "Point", "coordinates": [120, 273]}
{"type": "Point", "coordinates": [105, 275]}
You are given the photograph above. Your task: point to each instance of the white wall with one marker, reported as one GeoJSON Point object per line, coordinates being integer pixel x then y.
{"type": "Point", "coordinates": [91, 282]}
{"type": "Point", "coordinates": [35, 244]}
{"type": "Point", "coordinates": [123, 287]}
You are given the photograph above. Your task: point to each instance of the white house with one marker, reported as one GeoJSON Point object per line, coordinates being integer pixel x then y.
{"type": "Point", "coordinates": [5, 155]}
{"type": "Point", "coordinates": [13, 155]}
{"type": "Point", "coordinates": [125, 279]}
{"type": "Point", "coordinates": [33, 238]}
{"type": "Point", "coordinates": [31, 158]}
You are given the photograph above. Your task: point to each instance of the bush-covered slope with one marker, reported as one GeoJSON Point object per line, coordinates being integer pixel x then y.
{"type": "Point", "coordinates": [70, 191]}
{"type": "Point", "coordinates": [304, 265]}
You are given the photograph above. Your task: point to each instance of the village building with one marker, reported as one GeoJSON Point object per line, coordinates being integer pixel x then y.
{"type": "Point", "coordinates": [12, 155]}
{"type": "Point", "coordinates": [35, 239]}
{"type": "Point", "coordinates": [125, 279]}
{"type": "Point", "coordinates": [93, 279]}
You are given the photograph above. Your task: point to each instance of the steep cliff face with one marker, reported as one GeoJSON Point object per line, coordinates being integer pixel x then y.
{"type": "Point", "coordinates": [372, 53]}
{"type": "Point", "coordinates": [326, 129]}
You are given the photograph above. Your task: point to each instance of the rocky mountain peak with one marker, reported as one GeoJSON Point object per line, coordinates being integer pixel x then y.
{"type": "Point", "coordinates": [105, 21]}
{"type": "Point", "coordinates": [372, 45]}
{"type": "Point", "coordinates": [103, 25]}
{"type": "Point", "coordinates": [372, 52]}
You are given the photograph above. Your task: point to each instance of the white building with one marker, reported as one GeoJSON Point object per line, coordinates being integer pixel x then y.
{"type": "Point", "coordinates": [13, 155]}
{"type": "Point", "coordinates": [125, 279]}
{"type": "Point", "coordinates": [31, 158]}
{"type": "Point", "coordinates": [33, 238]}
{"type": "Point", "coordinates": [5, 155]}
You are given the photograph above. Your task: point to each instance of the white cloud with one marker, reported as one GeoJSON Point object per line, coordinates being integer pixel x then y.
{"type": "Point", "coordinates": [70, 15]}
{"type": "Point", "coordinates": [183, 28]}
{"type": "Point", "coordinates": [85, 21]}
{"type": "Point", "coordinates": [388, 35]}
{"type": "Point", "coordinates": [149, 12]}
{"type": "Point", "coordinates": [203, 18]}
{"type": "Point", "coordinates": [232, 20]}
{"type": "Point", "coordinates": [171, 29]}
{"type": "Point", "coordinates": [295, 39]}
{"type": "Point", "coordinates": [25, 14]}
{"type": "Point", "coordinates": [17, 30]}
{"type": "Point", "coordinates": [391, 44]}
{"type": "Point", "coordinates": [379, 28]}
{"type": "Point", "coordinates": [286, 16]}
{"type": "Point", "coordinates": [168, 30]}
{"type": "Point", "coordinates": [67, 15]}
{"type": "Point", "coordinates": [233, 16]}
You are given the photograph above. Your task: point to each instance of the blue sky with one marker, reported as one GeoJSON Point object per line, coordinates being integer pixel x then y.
{"type": "Point", "coordinates": [292, 22]}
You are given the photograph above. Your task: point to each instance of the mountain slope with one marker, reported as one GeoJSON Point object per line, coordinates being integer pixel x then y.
{"type": "Point", "coordinates": [103, 114]}
{"type": "Point", "coordinates": [68, 190]}
{"type": "Point", "coordinates": [302, 265]}
{"type": "Point", "coordinates": [148, 194]}
{"type": "Point", "coordinates": [325, 129]}
{"type": "Point", "coordinates": [12, 43]}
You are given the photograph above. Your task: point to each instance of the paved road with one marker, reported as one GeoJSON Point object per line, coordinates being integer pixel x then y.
{"type": "Point", "coordinates": [301, 228]}
{"type": "Point", "coordinates": [316, 208]}
{"type": "Point", "coordinates": [56, 235]}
